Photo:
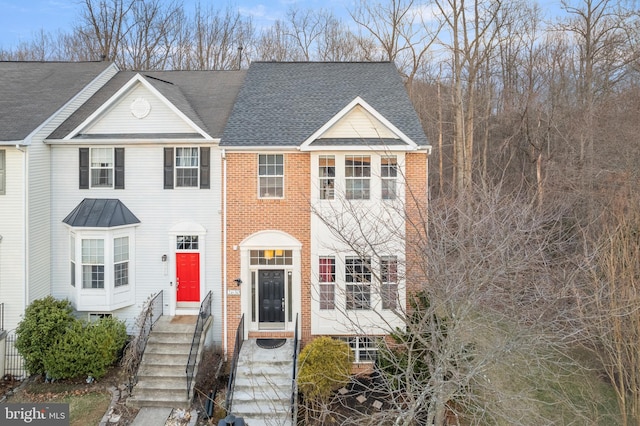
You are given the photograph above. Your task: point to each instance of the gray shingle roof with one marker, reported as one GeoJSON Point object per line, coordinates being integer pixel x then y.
{"type": "Point", "coordinates": [206, 97]}
{"type": "Point", "coordinates": [283, 103]}
{"type": "Point", "coordinates": [31, 92]}
{"type": "Point", "coordinates": [100, 213]}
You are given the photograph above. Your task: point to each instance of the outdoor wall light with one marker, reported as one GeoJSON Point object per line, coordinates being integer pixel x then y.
{"type": "Point", "coordinates": [164, 257]}
{"type": "Point", "coordinates": [238, 281]}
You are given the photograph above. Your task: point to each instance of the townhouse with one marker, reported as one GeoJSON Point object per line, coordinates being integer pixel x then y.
{"type": "Point", "coordinates": [281, 190]}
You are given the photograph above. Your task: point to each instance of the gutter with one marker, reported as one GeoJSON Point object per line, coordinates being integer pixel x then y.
{"type": "Point", "coordinates": [225, 332]}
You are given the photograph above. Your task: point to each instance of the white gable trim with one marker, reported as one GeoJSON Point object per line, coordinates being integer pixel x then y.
{"type": "Point", "coordinates": [136, 79]}
{"type": "Point", "coordinates": [307, 144]}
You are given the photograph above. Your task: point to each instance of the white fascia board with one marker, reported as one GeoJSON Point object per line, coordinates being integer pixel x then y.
{"type": "Point", "coordinates": [242, 149]}
{"type": "Point", "coordinates": [123, 91]}
{"type": "Point", "coordinates": [145, 141]}
{"type": "Point", "coordinates": [357, 101]}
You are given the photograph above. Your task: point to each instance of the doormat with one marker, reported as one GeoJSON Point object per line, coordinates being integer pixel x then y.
{"type": "Point", "coordinates": [270, 343]}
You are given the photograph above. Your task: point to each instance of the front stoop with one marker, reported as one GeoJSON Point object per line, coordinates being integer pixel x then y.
{"type": "Point", "coordinates": [263, 384]}
{"type": "Point", "coordinates": [162, 380]}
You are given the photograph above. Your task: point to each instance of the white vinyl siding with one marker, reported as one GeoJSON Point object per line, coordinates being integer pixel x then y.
{"type": "Point", "coordinates": [359, 123]}
{"type": "Point", "coordinates": [143, 195]}
{"type": "Point", "coordinates": [120, 119]}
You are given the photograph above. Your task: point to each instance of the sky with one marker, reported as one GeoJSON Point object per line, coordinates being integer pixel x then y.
{"type": "Point", "coordinates": [21, 19]}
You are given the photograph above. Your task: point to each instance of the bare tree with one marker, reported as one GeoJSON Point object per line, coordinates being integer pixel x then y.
{"type": "Point", "coordinates": [481, 305]}
{"type": "Point", "coordinates": [402, 31]}
{"type": "Point", "coordinates": [610, 302]}
{"type": "Point", "coordinates": [103, 27]}
{"type": "Point", "coordinates": [275, 44]}
{"type": "Point", "coordinates": [472, 31]}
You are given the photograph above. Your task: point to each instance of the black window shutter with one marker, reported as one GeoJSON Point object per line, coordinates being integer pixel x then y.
{"type": "Point", "coordinates": [205, 168]}
{"type": "Point", "coordinates": [84, 168]}
{"type": "Point", "coordinates": [119, 168]}
{"type": "Point", "coordinates": [168, 168]}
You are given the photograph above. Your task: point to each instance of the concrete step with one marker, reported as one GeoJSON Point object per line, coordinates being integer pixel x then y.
{"type": "Point", "coordinates": [171, 348]}
{"type": "Point", "coordinates": [162, 382]}
{"type": "Point", "coordinates": [147, 370]}
{"type": "Point", "coordinates": [263, 414]}
{"type": "Point", "coordinates": [164, 359]}
{"type": "Point", "coordinates": [170, 336]}
{"type": "Point", "coordinates": [152, 399]}
{"type": "Point", "coordinates": [276, 393]}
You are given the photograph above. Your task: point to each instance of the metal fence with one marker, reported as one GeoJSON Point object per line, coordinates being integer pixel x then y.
{"type": "Point", "coordinates": [13, 361]}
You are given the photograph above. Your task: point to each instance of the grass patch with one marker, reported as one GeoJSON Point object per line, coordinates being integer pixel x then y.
{"type": "Point", "coordinates": [86, 407]}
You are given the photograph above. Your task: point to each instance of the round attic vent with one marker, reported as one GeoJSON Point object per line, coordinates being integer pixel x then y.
{"type": "Point", "coordinates": [140, 108]}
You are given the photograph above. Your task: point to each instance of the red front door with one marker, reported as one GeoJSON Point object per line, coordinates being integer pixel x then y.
{"type": "Point", "coordinates": [188, 277]}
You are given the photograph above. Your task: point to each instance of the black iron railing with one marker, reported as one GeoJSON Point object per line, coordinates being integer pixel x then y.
{"type": "Point", "coordinates": [294, 384]}
{"type": "Point", "coordinates": [1, 316]}
{"type": "Point", "coordinates": [203, 315]}
{"type": "Point", "coordinates": [234, 363]}
{"type": "Point", "coordinates": [152, 312]}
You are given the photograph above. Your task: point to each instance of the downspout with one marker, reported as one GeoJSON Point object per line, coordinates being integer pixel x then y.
{"type": "Point", "coordinates": [225, 332]}
{"type": "Point", "coordinates": [25, 228]}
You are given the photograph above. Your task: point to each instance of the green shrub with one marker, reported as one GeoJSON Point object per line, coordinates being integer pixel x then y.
{"type": "Point", "coordinates": [324, 366]}
{"type": "Point", "coordinates": [45, 320]}
{"type": "Point", "coordinates": [86, 349]}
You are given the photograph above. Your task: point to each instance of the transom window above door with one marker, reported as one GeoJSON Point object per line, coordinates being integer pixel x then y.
{"type": "Point", "coordinates": [271, 257]}
{"type": "Point", "coordinates": [187, 242]}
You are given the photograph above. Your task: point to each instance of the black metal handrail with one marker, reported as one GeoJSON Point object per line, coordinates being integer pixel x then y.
{"type": "Point", "coordinates": [203, 315]}
{"type": "Point", "coordinates": [153, 312]}
{"type": "Point", "coordinates": [294, 387]}
{"type": "Point", "coordinates": [234, 363]}
{"type": "Point", "coordinates": [1, 316]}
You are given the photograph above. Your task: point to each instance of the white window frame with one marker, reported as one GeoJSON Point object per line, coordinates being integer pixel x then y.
{"type": "Point", "coordinates": [389, 284]}
{"type": "Point", "coordinates": [357, 175]}
{"type": "Point", "coordinates": [357, 283]}
{"type": "Point", "coordinates": [92, 263]}
{"type": "Point", "coordinates": [100, 167]}
{"type": "Point", "coordinates": [268, 173]}
{"type": "Point", "coordinates": [364, 348]}
{"type": "Point", "coordinates": [327, 176]}
{"type": "Point", "coordinates": [327, 285]}
{"type": "Point", "coordinates": [102, 295]}
{"type": "Point", "coordinates": [389, 177]}
{"type": "Point", "coordinates": [185, 163]}
{"type": "Point", "coordinates": [121, 261]}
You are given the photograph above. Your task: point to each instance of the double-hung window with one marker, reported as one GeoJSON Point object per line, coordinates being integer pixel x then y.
{"type": "Point", "coordinates": [93, 263]}
{"type": "Point", "coordinates": [327, 278]}
{"type": "Point", "coordinates": [389, 278]}
{"type": "Point", "coordinates": [357, 171]}
{"type": "Point", "coordinates": [121, 261]}
{"type": "Point", "coordinates": [101, 168]}
{"type": "Point", "coordinates": [389, 174]}
{"type": "Point", "coordinates": [187, 167]}
{"type": "Point", "coordinates": [358, 282]}
{"type": "Point", "coordinates": [327, 175]}
{"type": "Point", "coordinates": [271, 175]}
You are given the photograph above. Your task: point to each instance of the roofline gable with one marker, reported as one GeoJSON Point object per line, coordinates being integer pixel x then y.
{"type": "Point", "coordinates": [136, 79]}
{"type": "Point", "coordinates": [307, 144]}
